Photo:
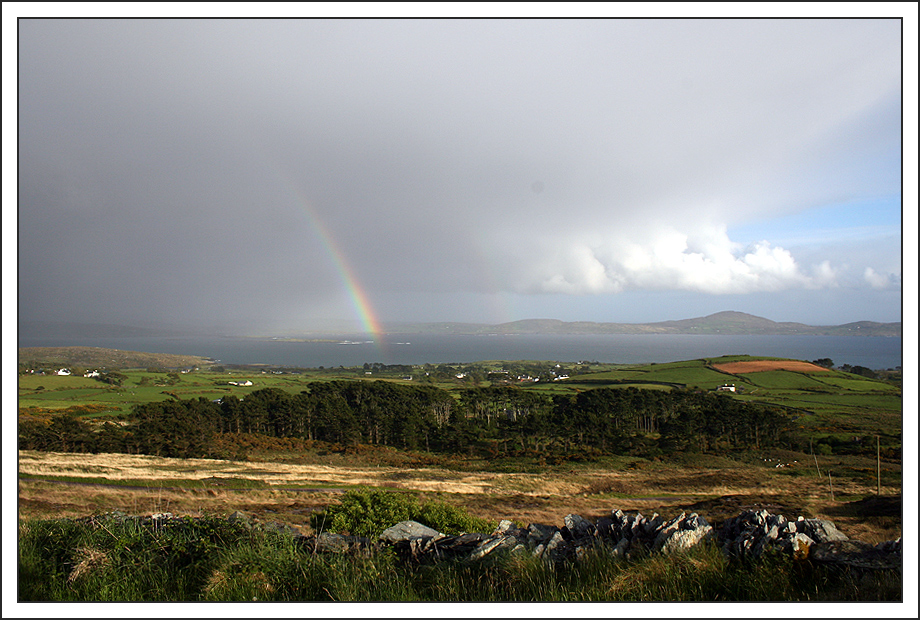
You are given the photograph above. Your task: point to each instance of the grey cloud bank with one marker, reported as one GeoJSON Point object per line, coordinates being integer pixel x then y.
{"type": "Point", "coordinates": [231, 172]}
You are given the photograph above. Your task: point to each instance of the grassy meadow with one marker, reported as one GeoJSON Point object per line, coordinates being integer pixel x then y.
{"type": "Point", "coordinates": [832, 475]}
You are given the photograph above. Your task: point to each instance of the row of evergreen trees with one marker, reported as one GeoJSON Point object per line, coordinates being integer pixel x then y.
{"type": "Point", "coordinates": [494, 420]}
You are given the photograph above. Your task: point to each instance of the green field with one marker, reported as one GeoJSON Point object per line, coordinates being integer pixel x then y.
{"type": "Point", "coordinates": [826, 404]}
{"type": "Point", "coordinates": [693, 374]}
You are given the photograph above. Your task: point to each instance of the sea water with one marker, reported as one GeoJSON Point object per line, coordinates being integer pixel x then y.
{"type": "Point", "coordinates": [355, 350]}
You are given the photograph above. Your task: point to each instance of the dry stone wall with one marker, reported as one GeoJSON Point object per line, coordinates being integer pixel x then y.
{"type": "Point", "coordinates": [746, 536]}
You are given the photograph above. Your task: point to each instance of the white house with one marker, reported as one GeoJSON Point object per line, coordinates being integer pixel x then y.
{"type": "Point", "coordinates": [92, 373]}
{"type": "Point", "coordinates": [63, 372]}
{"type": "Point", "coordinates": [726, 388]}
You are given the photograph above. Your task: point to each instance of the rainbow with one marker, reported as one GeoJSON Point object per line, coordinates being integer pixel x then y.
{"type": "Point", "coordinates": [356, 293]}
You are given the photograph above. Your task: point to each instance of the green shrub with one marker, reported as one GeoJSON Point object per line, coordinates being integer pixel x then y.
{"type": "Point", "coordinates": [365, 513]}
{"type": "Point", "coordinates": [450, 519]}
{"type": "Point", "coordinates": [369, 512]}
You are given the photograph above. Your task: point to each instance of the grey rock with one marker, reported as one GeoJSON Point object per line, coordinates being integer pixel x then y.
{"type": "Point", "coordinates": [241, 518]}
{"type": "Point", "coordinates": [621, 548]}
{"type": "Point", "coordinates": [681, 533]}
{"type": "Point", "coordinates": [282, 528]}
{"type": "Point", "coordinates": [487, 547]}
{"type": "Point", "coordinates": [581, 534]}
{"type": "Point", "coordinates": [539, 533]}
{"type": "Point", "coordinates": [557, 548]}
{"type": "Point", "coordinates": [799, 546]}
{"type": "Point", "coordinates": [667, 529]}
{"type": "Point", "coordinates": [682, 540]}
{"type": "Point", "coordinates": [890, 546]}
{"type": "Point", "coordinates": [694, 522]}
{"type": "Point", "coordinates": [853, 553]}
{"type": "Point", "coordinates": [471, 539]}
{"type": "Point", "coordinates": [605, 528]}
{"type": "Point", "coordinates": [406, 530]}
{"type": "Point", "coordinates": [328, 542]}
{"type": "Point", "coordinates": [579, 527]}
{"type": "Point", "coordinates": [503, 526]}
{"type": "Point", "coordinates": [821, 530]}
{"type": "Point", "coordinates": [653, 525]}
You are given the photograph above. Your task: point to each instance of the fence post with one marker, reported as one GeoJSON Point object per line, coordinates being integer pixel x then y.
{"type": "Point", "coordinates": [878, 467]}
{"type": "Point", "coordinates": [810, 447]}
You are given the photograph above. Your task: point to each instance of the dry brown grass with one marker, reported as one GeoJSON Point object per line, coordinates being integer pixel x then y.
{"type": "Point", "coordinates": [715, 493]}
{"type": "Point", "coordinates": [90, 560]}
{"type": "Point", "coordinates": [162, 471]}
{"type": "Point", "coordinates": [738, 368]}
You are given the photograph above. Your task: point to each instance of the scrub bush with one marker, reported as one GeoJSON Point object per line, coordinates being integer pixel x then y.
{"type": "Point", "coordinates": [369, 512]}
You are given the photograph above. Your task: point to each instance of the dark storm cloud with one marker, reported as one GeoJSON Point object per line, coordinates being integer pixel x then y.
{"type": "Point", "coordinates": [187, 170]}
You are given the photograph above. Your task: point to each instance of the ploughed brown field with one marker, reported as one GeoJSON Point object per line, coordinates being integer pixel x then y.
{"type": "Point", "coordinates": [739, 368]}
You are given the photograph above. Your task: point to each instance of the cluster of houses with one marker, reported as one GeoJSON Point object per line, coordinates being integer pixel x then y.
{"type": "Point", "coordinates": [504, 375]}
{"type": "Point", "coordinates": [64, 372]}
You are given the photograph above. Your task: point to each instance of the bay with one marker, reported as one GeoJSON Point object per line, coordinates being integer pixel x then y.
{"type": "Point", "coordinates": [354, 350]}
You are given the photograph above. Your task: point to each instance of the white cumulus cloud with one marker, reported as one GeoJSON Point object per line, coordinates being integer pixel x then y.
{"type": "Point", "coordinates": [879, 280]}
{"type": "Point", "coordinates": [705, 261]}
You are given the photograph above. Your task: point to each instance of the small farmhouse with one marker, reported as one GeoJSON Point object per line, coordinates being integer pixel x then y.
{"type": "Point", "coordinates": [726, 388]}
{"type": "Point", "coordinates": [64, 372]}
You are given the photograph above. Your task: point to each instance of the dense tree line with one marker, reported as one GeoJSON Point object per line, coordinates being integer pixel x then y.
{"type": "Point", "coordinates": [485, 420]}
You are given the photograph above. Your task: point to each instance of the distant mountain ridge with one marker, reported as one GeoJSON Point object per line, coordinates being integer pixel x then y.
{"type": "Point", "coordinates": [720, 323]}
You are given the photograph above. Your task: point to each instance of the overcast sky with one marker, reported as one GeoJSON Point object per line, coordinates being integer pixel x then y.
{"type": "Point", "coordinates": [264, 175]}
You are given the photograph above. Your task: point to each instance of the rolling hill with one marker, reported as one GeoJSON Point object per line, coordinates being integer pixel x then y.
{"type": "Point", "coordinates": [721, 323]}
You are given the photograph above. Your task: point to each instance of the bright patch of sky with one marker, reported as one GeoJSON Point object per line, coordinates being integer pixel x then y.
{"type": "Point", "coordinates": [862, 219]}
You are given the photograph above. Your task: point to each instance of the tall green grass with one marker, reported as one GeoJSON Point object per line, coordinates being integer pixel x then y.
{"type": "Point", "coordinates": [213, 559]}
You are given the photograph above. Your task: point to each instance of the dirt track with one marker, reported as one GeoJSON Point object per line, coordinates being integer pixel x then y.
{"type": "Point", "coordinates": [739, 368]}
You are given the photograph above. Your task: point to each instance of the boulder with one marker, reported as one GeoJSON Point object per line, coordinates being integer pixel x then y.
{"type": "Point", "coordinates": [556, 549]}
{"type": "Point", "coordinates": [240, 517]}
{"type": "Point", "coordinates": [538, 533]}
{"type": "Point", "coordinates": [281, 528]}
{"type": "Point", "coordinates": [407, 530]}
{"type": "Point", "coordinates": [800, 546]}
{"type": "Point", "coordinates": [489, 545]}
{"type": "Point", "coordinates": [820, 530]}
{"type": "Point", "coordinates": [503, 526]}
{"type": "Point", "coordinates": [328, 542]}
{"type": "Point", "coordinates": [853, 553]}
{"type": "Point", "coordinates": [890, 546]}
{"type": "Point", "coordinates": [682, 540]}
{"type": "Point", "coordinates": [579, 527]}
{"type": "Point", "coordinates": [681, 534]}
